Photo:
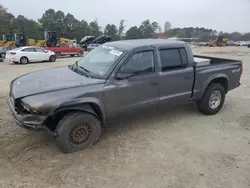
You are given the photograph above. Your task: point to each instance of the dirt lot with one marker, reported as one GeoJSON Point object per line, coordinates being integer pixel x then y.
{"type": "Point", "coordinates": [173, 148]}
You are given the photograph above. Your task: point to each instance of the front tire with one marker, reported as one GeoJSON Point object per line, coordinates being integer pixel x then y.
{"type": "Point", "coordinates": [80, 54]}
{"type": "Point", "coordinates": [52, 58]}
{"type": "Point", "coordinates": [212, 100]}
{"type": "Point", "coordinates": [77, 131]}
{"type": "Point", "coordinates": [24, 60]}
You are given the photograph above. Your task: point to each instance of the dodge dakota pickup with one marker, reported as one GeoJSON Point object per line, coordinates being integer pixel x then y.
{"type": "Point", "coordinates": [74, 102]}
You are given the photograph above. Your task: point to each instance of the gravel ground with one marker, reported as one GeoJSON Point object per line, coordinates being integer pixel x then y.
{"type": "Point", "coordinates": [172, 148]}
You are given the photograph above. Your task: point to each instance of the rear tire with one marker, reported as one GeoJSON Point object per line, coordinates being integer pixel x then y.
{"type": "Point", "coordinates": [77, 131]}
{"type": "Point", "coordinates": [24, 60]}
{"type": "Point", "coordinates": [52, 58]}
{"type": "Point", "coordinates": [80, 54]}
{"type": "Point", "coordinates": [212, 100]}
{"type": "Point", "coordinates": [72, 55]}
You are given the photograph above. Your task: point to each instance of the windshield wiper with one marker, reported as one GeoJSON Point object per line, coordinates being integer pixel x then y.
{"type": "Point", "coordinates": [85, 70]}
{"type": "Point", "coordinates": [75, 67]}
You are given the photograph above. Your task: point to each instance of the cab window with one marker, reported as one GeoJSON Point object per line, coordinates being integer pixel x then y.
{"type": "Point", "coordinates": [140, 63]}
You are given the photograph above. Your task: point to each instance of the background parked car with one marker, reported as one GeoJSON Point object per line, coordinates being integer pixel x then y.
{"type": "Point", "coordinates": [3, 51]}
{"type": "Point", "coordinates": [92, 46]}
{"type": "Point", "coordinates": [231, 43]}
{"type": "Point", "coordinates": [28, 54]}
{"type": "Point", "coordinates": [238, 43]}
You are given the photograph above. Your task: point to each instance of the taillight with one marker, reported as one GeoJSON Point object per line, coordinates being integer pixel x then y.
{"type": "Point", "coordinates": [241, 70]}
{"type": "Point", "coordinates": [13, 53]}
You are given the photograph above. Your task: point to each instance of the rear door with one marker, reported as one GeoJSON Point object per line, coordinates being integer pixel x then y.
{"type": "Point", "coordinates": [176, 76]}
{"type": "Point", "coordinates": [30, 53]}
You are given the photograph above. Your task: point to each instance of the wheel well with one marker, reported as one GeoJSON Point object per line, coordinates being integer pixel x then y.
{"type": "Point", "coordinates": [23, 57]}
{"type": "Point", "coordinates": [52, 121]}
{"type": "Point", "coordinates": [222, 81]}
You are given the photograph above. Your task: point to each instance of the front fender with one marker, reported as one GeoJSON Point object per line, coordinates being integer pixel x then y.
{"type": "Point", "coordinates": [82, 104]}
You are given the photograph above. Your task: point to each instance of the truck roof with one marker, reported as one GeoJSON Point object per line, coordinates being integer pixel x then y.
{"type": "Point", "coordinates": [131, 44]}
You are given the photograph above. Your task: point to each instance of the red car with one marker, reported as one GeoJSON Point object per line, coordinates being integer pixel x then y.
{"type": "Point", "coordinates": [67, 49]}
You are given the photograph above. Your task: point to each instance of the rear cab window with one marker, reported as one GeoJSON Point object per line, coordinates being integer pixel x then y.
{"type": "Point", "coordinates": [172, 59]}
{"type": "Point", "coordinates": [63, 45]}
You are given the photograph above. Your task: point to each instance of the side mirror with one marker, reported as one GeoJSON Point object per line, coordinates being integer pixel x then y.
{"type": "Point", "coordinates": [125, 73]}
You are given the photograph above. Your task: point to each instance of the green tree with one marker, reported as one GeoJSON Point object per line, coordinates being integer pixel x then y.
{"type": "Point", "coordinates": [70, 25]}
{"type": "Point", "coordinates": [133, 33]}
{"type": "Point", "coordinates": [80, 29]}
{"type": "Point", "coordinates": [146, 29]}
{"type": "Point", "coordinates": [112, 31]}
{"type": "Point", "coordinates": [28, 27]}
{"type": "Point", "coordinates": [167, 26]}
{"type": "Point", "coordinates": [94, 28]}
{"type": "Point", "coordinates": [47, 20]}
{"type": "Point", "coordinates": [58, 21]}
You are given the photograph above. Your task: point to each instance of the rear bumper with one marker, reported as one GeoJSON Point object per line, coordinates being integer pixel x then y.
{"type": "Point", "coordinates": [11, 58]}
{"type": "Point", "coordinates": [28, 121]}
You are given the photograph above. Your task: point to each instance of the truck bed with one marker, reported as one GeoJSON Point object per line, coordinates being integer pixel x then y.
{"type": "Point", "coordinates": [228, 69]}
{"type": "Point", "coordinates": [215, 60]}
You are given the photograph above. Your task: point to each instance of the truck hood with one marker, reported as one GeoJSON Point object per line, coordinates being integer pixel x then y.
{"type": "Point", "coordinates": [49, 80]}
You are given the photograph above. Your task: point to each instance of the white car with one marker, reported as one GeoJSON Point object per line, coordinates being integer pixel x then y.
{"type": "Point", "coordinates": [28, 54]}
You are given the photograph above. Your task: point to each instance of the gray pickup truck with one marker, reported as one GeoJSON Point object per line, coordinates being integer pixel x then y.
{"type": "Point", "coordinates": [73, 103]}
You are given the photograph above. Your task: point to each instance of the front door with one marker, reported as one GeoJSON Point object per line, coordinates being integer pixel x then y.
{"type": "Point", "coordinates": [41, 55]}
{"type": "Point", "coordinates": [136, 92]}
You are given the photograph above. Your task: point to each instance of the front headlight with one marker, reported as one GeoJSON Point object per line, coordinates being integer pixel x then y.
{"type": "Point", "coordinates": [27, 108]}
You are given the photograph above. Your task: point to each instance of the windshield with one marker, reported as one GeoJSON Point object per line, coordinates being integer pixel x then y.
{"type": "Point", "coordinates": [99, 61]}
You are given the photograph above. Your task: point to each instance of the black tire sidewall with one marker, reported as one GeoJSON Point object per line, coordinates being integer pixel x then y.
{"type": "Point", "coordinates": [52, 58]}
{"type": "Point", "coordinates": [80, 54]}
{"type": "Point", "coordinates": [203, 104]}
{"type": "Point", "coordinates": [68, 122]}
{"type": "Point", "coordinates": [24, 58]}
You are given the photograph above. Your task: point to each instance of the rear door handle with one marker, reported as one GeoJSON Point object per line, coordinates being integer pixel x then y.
{"type": "Point", "coordinates": [186, 77]}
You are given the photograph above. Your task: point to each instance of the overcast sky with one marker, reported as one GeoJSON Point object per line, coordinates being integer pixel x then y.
{"type": "Point", "coordinates": [225, 15]}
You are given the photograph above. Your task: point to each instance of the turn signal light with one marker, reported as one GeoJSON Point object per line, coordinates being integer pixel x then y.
{"type": "Point", "coordinates": [241, 70]}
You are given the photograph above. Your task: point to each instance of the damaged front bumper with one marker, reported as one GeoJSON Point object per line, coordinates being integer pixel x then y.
{"type": "Point", "coordinates": [28, 121]}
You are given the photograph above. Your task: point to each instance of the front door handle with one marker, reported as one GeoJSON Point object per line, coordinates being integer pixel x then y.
{"type": "Point", "coordinates": [186, 77]}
